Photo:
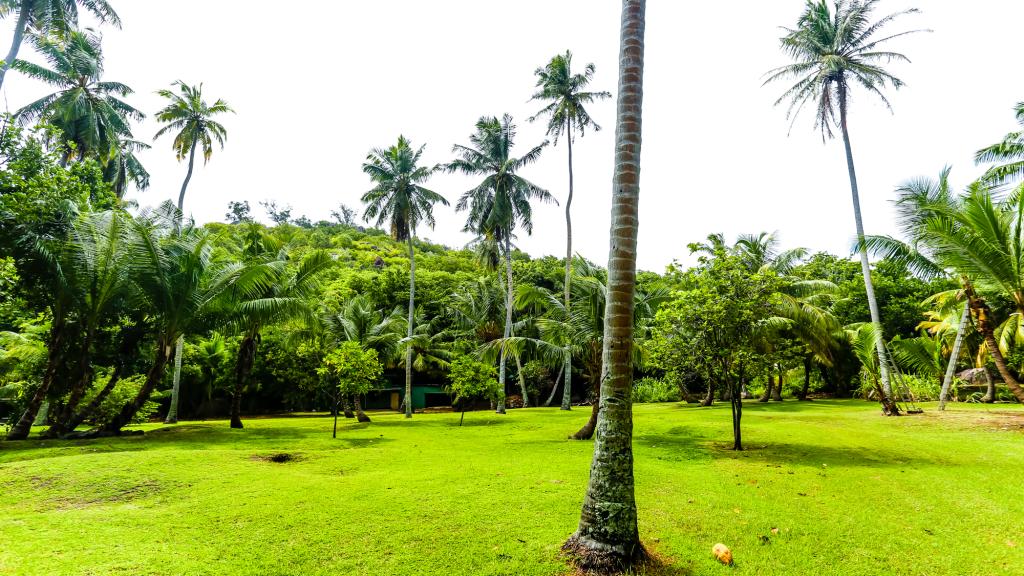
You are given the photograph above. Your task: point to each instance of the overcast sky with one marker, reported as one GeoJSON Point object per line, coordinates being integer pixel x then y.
{"type": "Point", "coordinates": [317, 83]}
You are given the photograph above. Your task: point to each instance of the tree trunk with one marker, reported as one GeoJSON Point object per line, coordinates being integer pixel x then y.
{"type": "Point", "coordinates": [587, 432]}
{"type": "Point", "coordinates": [802, 396]}
{"type": "Point", "coordinates": [360, 415]}
{"type": "Point", "coordinates": [156, 373]}
{"type": "Point", "coordinates": [947, 380]}
{"type": "Point", "coordinates": [522, 383]}
{"type": "Point", "coordinates": [172, 412]}
{"type": "Point", "coordinates": [78, 389]}
{"type": "Point", "coordinates": [709, 398]}
{"type": "Point", "coordinates": [19, 35]}
{"type": "Point", "coordinates": [508, 323]}
{"type": "Point", "coordinates": [55, 346]}
{"type": "Point", "coordinates": [90, 409]}
{"type": "Point", "coordinates": [346, 406]}
{"type": "Point", "coordinates": [337, 400]}
{"type": "Point", "coordinates": [777, 391]}
{"type": "Point", "coordinates": [736, 402]}
{"type": "Point", "coordinates": [990, 391]}
{"type": "Point", "coordinates": [769, 384]}
{"type": "Point", "coordinates": [883, 364]}
{"type": "Point", "coordinates": [246, 358]}
{"type": "Point", "coordinates": [607, 537]}
{"type": "Point", "coordinates": [412, 310]}
{"type": "Point", "coordinates": [984, 326]}
{"type": "Point", "coordinates": [567, 368]}
{"type": "Point", "coordinates": [188, 176]}
{"type": "Point", "coordinates": [554, 389]}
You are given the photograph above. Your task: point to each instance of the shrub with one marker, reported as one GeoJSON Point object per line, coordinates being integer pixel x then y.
{"type": "Point", "coordinates": [650, 390]}
{"type": "Point", "coordinates": [125, 390]}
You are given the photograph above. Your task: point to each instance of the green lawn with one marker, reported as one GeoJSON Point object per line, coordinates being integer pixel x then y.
{"type": "Point", "coordinates": [849, 492]}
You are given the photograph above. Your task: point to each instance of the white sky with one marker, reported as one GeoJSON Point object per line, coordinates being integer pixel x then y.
{"type": "Point", "coordinates": [317, 83]}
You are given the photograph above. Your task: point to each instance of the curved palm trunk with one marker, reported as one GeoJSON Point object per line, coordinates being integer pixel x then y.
{"type": "Point", "coordinates": [172, 412]}
{"type": "Point", "coordinates": [408, 349]}
{"type": "Point", "coordinates": [246, 358]}
{"type": "Point", "coordinates": [19, 36]}
{"type": "Point", "coordinates": [883, 363]}
{"type": "Point", "coordinates": [607, 537]}
{"type": "Point", "coordinates": [360, 415]}
{"type": "Point", "coordinates": [508, 323]}
{"type": "Point", "coordinates": [554, 389]}
{"type": "Point", "coordinates": [769, 384]}
{"type": "Point", "coordinates": [96, 402]}
{"type": "Point", "coordinates": [61, 425]}
{"type": "Point", "coordinates": [188, 176]}
{"type": "Point", "coordinates": [587, 432]}
{"type": "Point", "coordinates": [21, 429]}
{"type": "Point", "coordinates": [522, 382]}
{"type": "Point", "coordinates": [802, 396]}
{"type": "Point", "coordinates": [947, 380]}
{"type": "Point", "coordinates": [990, 390]}
{"type": "Point", "coordinates": [981, 311]}
{"type": "Point", "coordinates": [709, 398]}
{"type": "Point", "coordinates": [777, 391]}
{"type": "Point", "coordinates": [567, 368]}
{"type": "Point", "coordinates": [156, 374]}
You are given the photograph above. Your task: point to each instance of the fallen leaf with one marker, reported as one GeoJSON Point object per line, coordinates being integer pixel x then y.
{"type": "Point", "coordinates": [775, 530]}
{"type": "Point", "coordinates": [722, 553]}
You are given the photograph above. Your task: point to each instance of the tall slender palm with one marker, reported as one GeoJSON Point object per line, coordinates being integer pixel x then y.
{"type": "Point", "coordinates": [607, 536]}
{"type": "Point", "coordinates": [832, 51]}
{"type": "Point", "coordinates": [566, 95]}
{"type": "Point", "coordinates": [90, 113]}
{"type": "Point", "coordinates": [501, 202]}
{"type": "Point", "coordinates": [192, 118]}
{"type": "Point", "coordinates": [49, 17]}
{"type": "Point", "coordinates": [400, 200]}
{"type": "Point", "coordinates": [1009, 152]}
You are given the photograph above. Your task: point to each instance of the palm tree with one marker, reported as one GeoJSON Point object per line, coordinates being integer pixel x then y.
{"type": "Point", "coordinates": [284, 292]}
{"type": "Point", "coordinates": [1010, 151]}
{"type": "Point", "coordinates": [89, 112]}
{"type": "Point", "coordinates": [192, 118]}
{"type": "Point", "coordinates": [566, 96]}
{"type": "Point", "coordinates": [833, 50]}
{"type": "Point", "coordinates": [607, 536]}
{"type": "Point", "coordinates": [49, 17]}
{"type": "Point", "coordinates": [399, 199]}
{"type": "Point", "coordinates": [124, 167]}
{"type": "Point", "coordinates": [501, 201]}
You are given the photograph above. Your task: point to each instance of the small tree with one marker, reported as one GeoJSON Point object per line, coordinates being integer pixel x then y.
{"type": "Point", "coordinates": [356, 371]}
{"type": "Point", "coordinates": [471, 379]}
{"type": "Point", "coordinates": [238, 212]}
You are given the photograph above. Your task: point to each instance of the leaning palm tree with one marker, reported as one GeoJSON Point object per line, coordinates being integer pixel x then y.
{"type": "Point", "coordinates": [607, 536]}
{"type": "Point", "coordinates": [400, 200]}
{"type": "Point", "coordinates": [90, 112]}
{"type": "Point", "coordinates": [834, 50]}
{"type": "Point", "coordinates": [1009, 153]}
{"type": "Point", "coordinates": [43, 18]}
{"type": "Point", "coordinates": [501, 202]}
{"type": "Point", "coordinates": [566, 111]}
{"type": "Point", "coordinates": [192, 118]}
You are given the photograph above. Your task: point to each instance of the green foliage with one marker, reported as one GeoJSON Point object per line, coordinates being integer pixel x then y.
{"type": "Point", "coordinates": [471, 379]}
{"type": "Point", "coordinates": [125, 390]}
{"type": "Point", "coordinates": [355, 370]}
{"type": "Point", "coordinates": [650, 390]}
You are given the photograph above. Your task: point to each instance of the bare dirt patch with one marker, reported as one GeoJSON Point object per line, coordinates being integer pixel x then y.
{"type": "Point", "coordinates": [278, 458]}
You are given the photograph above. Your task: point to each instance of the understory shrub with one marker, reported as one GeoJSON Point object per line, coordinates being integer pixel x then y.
{"type": "Point", "coordinates": [125, 390]}
{"type": "Point", "coordinates": [650, 390]}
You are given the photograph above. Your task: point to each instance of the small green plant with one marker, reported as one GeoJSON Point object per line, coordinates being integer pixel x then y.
{"type": "Point", "coordinates": [355, 370]}
{"type": "Point", "coordinates": [651, 390]}
{"type": "Point", "coordinates": [471, 379]}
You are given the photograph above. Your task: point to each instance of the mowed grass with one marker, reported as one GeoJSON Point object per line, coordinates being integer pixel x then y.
{"type": "Point", "coordinates": [828, 487]}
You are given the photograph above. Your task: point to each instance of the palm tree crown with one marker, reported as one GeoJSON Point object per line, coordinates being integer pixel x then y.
{"type": "Point", "coordinates": [191, 117]}
{"type": "Point", "coordinates": [398, 197]}
{"type": "Point", "coordinates": [566, 96]}
{"type": "Point", "coordinates": [833, 49]}
{"type": "Point", "coordinates": [1010, 151]}
{"type": "Point", "coordinates": [88, 111]}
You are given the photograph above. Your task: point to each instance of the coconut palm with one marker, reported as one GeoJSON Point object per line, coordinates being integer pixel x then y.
{"type": "Point", "coordinates": [191, 118]}
{"type": "Point", "coordinates": [43, 18]}
{"type": "Point", "coordinates": [90, 112]}
{"type": "Point", "coordinates": [1009, 153]}
{"type": "Point", "coordinates": [607, 535]}
{"type": "Point", "coordinates": [834, 50]}
{"type": "Point", "coordinates": [399, 199]}
{"type": "Point", "coordinates": [501, 202]}
{"type": "Point", "coordinates": [566, 95]}
{"type": "Point", "coordinates": [124, 167]}
{"type": "Point", "coordinates": [284, 292]}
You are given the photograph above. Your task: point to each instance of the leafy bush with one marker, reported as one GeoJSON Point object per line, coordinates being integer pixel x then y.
{"type": "Point", "coordinates": [125, 390]}
{"type": "Point", "coordinates": [650, 390]}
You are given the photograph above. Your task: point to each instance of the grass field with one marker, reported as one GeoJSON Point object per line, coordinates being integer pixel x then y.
{"type": "Point", "coordinates": [845, 490]}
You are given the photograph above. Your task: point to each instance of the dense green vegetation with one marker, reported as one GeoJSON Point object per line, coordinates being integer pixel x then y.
{"type": "Point", "coordinates": [113, 316]}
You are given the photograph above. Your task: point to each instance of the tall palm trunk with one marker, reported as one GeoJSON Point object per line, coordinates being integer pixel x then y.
{"type": "Point", "coordinates": [246, 358]}
{"type": "Point", "coordinates": [769, 384]}
{"type": "Point", "coordinates": [508, 323]}
{"type": "Point", "coordinates": [947, 380]}
{"type": "Point", "coordinates": [156, 374]}
{"type": "Point", "coordinates": [554, 388]}
{"type": "Point", "coordinates": [90, 409]}
{"type": "Point", "coordinates": [607, 536]}
{"type": "Point", "coordinates": [55, 348]}
{"type": "Point", "coordinates": [802, 396]}
{"type": "Point", "coordinates": [982, 321]}
{"type": "Point", "coordinates": [990, 388]}
{"type": "Point", "coordinates": [883, 363]}
{"type": "Point", "coordinates": [19, 36]}
{"type": "Point", "coordinates": [567, 391]}
{"type": "Point", "coordinates": [522, 382]}
{"type": "Point", "coordinates": [360, 415]}
{"type": "Point", "coordinates": [777, 391]}
{"type": "Point", "coordinates": [172, 412]}
{"type": "Point", "coordinates": [412, 309]}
